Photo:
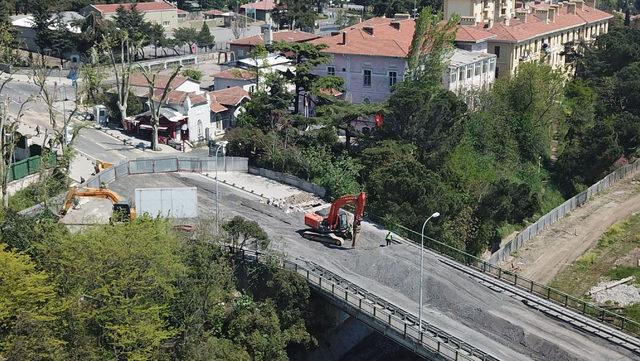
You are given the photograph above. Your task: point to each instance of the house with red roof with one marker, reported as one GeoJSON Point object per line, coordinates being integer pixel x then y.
{"type": "Point", "coordinates": [242, 47]}
{"type": "Point", "coordinates": [204, 115]}
{"type": "Point", "coordinates": [371, 57]}
{"type": "Point", "coordinates": [259, 10]}
{"type": "Point", "coordinates": [156, 12]}
{"type": "Point", "coordinates": [517, 32]}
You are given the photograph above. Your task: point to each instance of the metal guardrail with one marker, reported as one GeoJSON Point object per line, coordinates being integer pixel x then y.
{"type": "Point", "coordinates": [427, 341]}
{"type": "Point", "coordinates": [548, 293]}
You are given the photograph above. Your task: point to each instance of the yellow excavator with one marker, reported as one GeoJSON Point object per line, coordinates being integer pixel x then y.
{"type": "Point", "coordinates": [99, 166]}
{"type": "Point", "coordinates": [122, 209]}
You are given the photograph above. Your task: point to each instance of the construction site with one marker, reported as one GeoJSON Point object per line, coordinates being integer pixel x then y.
{"type": "Point", "coordinates": [493, 322]}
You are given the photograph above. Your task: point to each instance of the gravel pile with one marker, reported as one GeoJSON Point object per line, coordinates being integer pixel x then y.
{"type": "Point", "coordinates": [621, 295]}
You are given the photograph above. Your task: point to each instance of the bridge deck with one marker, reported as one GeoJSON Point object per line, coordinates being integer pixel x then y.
{"type": "Point", "coordinates": [492, 320]}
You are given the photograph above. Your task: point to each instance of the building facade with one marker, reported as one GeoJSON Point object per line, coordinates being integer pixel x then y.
{"type": "Point", "coordinates": [260, 10]}
{"type": "Point", "coordinates": [371, 57]}
{"type": "Point", "coordinates": [156, 12]}
{"type": "Point", "coordinates": [528, 31]}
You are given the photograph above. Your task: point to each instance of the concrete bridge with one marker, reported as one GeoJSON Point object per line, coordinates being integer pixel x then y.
{"type": "Point", "coordinates": [472, 310]}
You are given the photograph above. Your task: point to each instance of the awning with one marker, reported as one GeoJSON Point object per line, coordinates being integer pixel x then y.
{"type": "Point", "coordinates": [147, 126]}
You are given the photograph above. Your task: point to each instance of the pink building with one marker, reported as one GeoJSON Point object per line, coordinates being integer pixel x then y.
{"type": "Point", "coordinates": [371, 57]}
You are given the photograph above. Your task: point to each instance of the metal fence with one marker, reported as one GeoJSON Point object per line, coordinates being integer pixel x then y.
{"type": "Point", "coordinates": [168, 165]}
{"type": "Point", "coordinates": [381, 315]}
{"type": "Point", "coordinates": [581, 306]}
{"type": "Point", "coordinates": [562, 210]}
{"type": "Point", "coordinates": [23, 168]}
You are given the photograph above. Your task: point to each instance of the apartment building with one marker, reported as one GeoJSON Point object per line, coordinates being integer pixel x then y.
{"type": "Point", "coordinates": [527, 31]}
{"type": "Point", "coordinates": [157, 12]}
{"type": "Point", "coordinates": [371, 57]}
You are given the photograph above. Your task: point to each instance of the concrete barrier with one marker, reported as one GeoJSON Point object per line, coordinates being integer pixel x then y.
{"type": "Point", "coordinates": [290, 180]}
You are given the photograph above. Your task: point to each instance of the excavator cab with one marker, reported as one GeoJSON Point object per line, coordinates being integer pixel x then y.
{"type": "Point", "coordinates": [123, 212]}
{"type": "Point", "coordinates": [335, 227]}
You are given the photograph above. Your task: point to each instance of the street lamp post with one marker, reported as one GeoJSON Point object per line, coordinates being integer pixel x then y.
{"type": "Point", "coordinates": [222, 146]}
{"type": "Point", "coordinates": [434, 215]}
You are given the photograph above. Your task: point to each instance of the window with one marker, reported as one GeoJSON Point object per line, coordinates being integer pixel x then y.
{"type": "Point", "coordinates": [497, 71]}
{"type": "Point", "coordinates": [393, 78]}
{"type": "Point", "coordinates": [496, 50]}
{"type": "Point", "coordinates": [367, 77]}
{"type": "Point", "coordinates": [331, 71]}
{"type": "Point", "coordinates": [461, 74]}
{"type": "Point", "coordinates": [469, 71]}
{"type": "Point", "coordinates": [478, 67]}
{"type": "Point", "coordinates": [165, 23]}
{"type": "Point", "coordinates": [484, 66]}
{"type": "Point", "coordinates": [492, 65]}
{"type": "Point", "coordinates": [453, 77]}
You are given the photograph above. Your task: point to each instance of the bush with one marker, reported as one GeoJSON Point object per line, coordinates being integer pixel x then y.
{"type": "Point", "coordinates": [194, 74]}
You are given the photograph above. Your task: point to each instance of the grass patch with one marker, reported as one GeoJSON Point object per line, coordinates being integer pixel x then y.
{"type": "Point", "coordinates": [608, 259]}
{"type": "Point", "coordinates": [36, 193]}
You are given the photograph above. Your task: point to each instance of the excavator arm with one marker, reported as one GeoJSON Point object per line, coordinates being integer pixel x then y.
{"type": "Point", "coordinates": [89, 192]}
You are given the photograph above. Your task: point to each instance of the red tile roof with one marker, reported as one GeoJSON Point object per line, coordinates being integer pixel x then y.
{"type": "Point", "coordinates": [374, 37]}
{"type": "Point", "coordinates": [472, 34]}
{"type": "Point", "coordinates": [142, 7]}
{"type": "Point", "coordinates": [176, 97]}
{"type": "Point", "coordinates": [517, 30]}
{"type": "Point", "coordinates": [230, 96]}
{"type": "Point", "coordinates": [260, 5]}
{"type": "Point", "coordinates": [291, 36]}
{"type": "Point", "coordinates": [160, 83]}
{"type": "Point", "coordinates": [217, 107]}
{"type": "Point", "coordinates": [235, 73]}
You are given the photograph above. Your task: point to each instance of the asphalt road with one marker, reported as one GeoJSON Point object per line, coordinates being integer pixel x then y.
{"type": "Point", "coordinates": [95, 144]}
{"type": "Point", "coordinates": [494, 322]}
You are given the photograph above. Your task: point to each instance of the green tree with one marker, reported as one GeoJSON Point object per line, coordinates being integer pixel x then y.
{"type": "Point", "coordinates": [194, 74]}
{"type": "Point", "coordinates": [307, 57]}
{"type": "Point", "coordinates": [121, 282]}
{"type": "Point", "coordinates": [29, 310]}
{"type": "Point", "coordinates": [205, 39]}
{"type": "Point", "coordinates": [156, 37]}
{"type": "Point", "coordinates": [188, 36]}
{"type": "Point", "coordinates": [295, 14]}
{"type": "Point", "coordinates": [243, 232]}
{"type": "Point", "coordinates": [132, 21]}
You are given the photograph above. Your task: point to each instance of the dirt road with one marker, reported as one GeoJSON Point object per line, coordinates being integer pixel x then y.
{"type": "Point", "coordinates": [545, 255]}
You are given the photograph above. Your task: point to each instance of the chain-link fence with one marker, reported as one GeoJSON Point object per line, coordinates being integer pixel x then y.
{"type": "Point", "coordinates": [562, 210]}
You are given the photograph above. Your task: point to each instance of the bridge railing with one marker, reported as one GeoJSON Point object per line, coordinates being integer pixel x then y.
{"type": "Point", "coordinates": [430, 338]}
{"type": "Point", "coordinates": [549, 293]}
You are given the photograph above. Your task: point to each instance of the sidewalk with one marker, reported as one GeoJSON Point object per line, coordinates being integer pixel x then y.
{"type": "Point", "coordinates": [139, 143]}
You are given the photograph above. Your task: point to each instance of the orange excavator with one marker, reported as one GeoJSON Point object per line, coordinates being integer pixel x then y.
{"type": "Point", "coordinates": [122, 209]}
{"type": "Point", "coordinates": [335, 228]}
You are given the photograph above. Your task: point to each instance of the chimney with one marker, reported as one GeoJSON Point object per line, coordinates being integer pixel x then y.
{"type": "Point", "coordinates": [368, 29]}
{"type": "Point", "coordinates": [552, 15]}
{"type": "Point", "coordinates": [267, 34]}
{"type": "Point", "coordinates": [344, 38]}
{"type": "Point", "coordinates": [467, 20]}
{"type": "Point", "coordinates": [543, 15]}
{"type": "Point", "coordinates": [395, 25]}
{"type": "Point", "coordinates": [522, 15]}
{"type": "Point", "coordinates": [579, 4]}
{"type": "Point", "coordinates": [590, 3]}
{"type": "Point", "coordinates": [571, 8]}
